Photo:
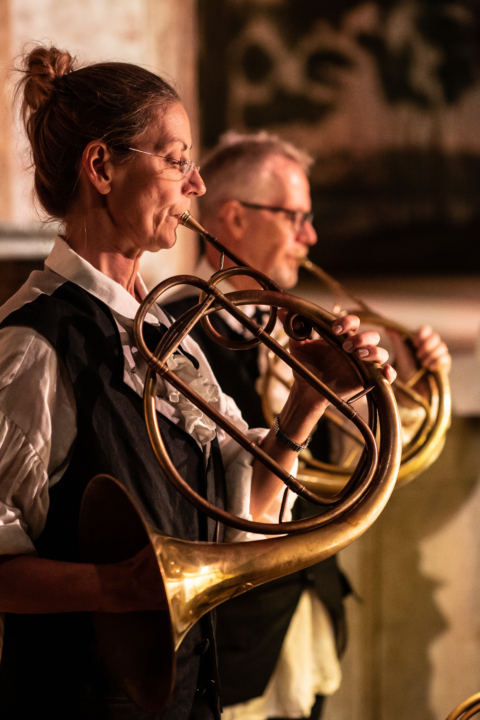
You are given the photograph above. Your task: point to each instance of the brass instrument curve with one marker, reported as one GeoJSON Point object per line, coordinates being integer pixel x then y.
{"type": "Point", "coordinates": [194, 577]}
{"type": "Point", "coordinates": [467, 709]}
{"type": "Point", "coordinates": [428, 441]}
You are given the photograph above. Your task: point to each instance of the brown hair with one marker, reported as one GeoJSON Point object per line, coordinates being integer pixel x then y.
{"type": "Point", "coordinates": [64, 107]}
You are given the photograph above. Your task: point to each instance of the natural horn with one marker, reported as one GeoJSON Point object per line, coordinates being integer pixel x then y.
{"type": "Point", "coordinates": [194, 577]}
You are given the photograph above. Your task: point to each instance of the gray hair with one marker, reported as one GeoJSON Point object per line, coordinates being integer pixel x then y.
{"type": "Point", "coordinates": [231, 168]}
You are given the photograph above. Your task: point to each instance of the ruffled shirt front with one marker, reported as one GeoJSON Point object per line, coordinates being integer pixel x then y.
{"type": "Point", "coordinates": [37, 404]}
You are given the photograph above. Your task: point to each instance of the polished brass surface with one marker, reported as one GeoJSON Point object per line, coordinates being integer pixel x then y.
{"type": "Point", "coordinates": [369, 375]}
{"type": "Point", "coordinates": [194, 577]}
{"type": "Point", "coordinates": [426, 445]}
{"type": "Point", "coordinates": [212, 299]}
{"type": "Point", "coordinates": [467, 709]}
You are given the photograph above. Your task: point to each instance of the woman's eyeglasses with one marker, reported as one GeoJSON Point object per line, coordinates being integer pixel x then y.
{"type": "Point", "coordinates": [184, 166]}
{"type": "Point", "coordinates": [298, 218]}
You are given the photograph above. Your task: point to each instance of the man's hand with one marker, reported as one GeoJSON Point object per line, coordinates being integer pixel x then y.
{"type": "Point", "coordinates": [432, 353]}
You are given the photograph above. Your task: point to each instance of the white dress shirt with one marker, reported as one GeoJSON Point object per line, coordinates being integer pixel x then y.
{"type": "Point", "coordinates": [37, 404]}
{"type": "Point", "coordinates": [38, 410]}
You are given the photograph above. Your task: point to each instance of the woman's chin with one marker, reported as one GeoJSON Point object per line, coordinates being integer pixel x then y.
{"type": "Point", "coordinates": [169, 242]}
{"type": "Point", "coordinates": [165, 242]}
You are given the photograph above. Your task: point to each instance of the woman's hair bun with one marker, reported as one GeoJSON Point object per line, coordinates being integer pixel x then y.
{"type": "Point", "coordinates": [42, 66]}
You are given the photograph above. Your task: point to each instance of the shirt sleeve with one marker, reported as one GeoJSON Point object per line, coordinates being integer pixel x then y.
{"type": "Point", "coordinates": [37, 430]}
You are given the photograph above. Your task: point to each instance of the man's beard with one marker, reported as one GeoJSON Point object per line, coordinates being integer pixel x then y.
{"type": "Point", "coordinates": [285, 276]}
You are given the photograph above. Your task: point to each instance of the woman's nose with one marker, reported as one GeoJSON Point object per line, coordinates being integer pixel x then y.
{"type": "Point", "coordinates": [196, 186]}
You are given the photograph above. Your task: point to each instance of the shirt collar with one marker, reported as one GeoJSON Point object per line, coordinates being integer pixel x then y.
{"type": "Point", "coordinates": [66, 262]}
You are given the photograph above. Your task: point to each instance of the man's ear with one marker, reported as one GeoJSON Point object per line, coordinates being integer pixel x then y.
{"type": "Point", "coordinates": [97, 165]}
{"type": "Point", "coordinates": [233, 217]}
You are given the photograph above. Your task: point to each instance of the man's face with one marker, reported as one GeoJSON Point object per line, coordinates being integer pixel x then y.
{"type": "Point", "coordinates": [272, 242]}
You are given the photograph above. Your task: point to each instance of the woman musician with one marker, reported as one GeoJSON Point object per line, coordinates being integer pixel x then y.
{"type": "Point", "coordinates": [111, 146]}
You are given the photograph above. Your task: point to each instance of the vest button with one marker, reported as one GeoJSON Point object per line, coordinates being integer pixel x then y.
{"type": "Point", "coordinates": [200, 691]}
{"type": "Point", "coordinates": [202, 647]}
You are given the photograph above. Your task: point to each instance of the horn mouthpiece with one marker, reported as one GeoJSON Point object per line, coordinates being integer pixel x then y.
{"type": "Point", "coordinates": [188, 221]}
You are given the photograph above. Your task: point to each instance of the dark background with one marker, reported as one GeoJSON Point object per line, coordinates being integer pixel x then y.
{"type": "Point", "coordinates": [407, 206]}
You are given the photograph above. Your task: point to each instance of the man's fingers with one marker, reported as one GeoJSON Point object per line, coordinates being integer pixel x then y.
{"type": "Point", "coordinates": [422, 334]}
{"type": "Point", "coordinates": [438, 359]}
{"type": "Point", "coordinates": [429, 345]}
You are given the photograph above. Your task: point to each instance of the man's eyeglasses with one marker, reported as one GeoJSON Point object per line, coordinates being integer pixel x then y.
{"type": "Point", "coordinates": [184, 166]}
{"type": "Point", "coordinates": [298, 218]}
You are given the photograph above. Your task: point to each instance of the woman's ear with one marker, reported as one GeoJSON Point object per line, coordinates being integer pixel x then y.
{"type": "Point", "coordinates": [97, 165]}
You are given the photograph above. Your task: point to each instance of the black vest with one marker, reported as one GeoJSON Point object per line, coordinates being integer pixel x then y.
{"type": "Point", "coordinates": [251, 628]}
{"type": "Point", "coordinates": [50, 665]}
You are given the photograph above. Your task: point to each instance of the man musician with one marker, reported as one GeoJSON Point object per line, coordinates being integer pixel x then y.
{"type": "Point", "coordinates": [278, 644]}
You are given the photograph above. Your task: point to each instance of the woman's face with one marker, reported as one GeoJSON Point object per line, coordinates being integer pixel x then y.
{"type": "Point", "coordinates": [149, 194]}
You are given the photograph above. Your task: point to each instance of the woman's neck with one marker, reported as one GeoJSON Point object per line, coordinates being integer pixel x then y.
{"type": "Point", "coordinates": [105, 253]}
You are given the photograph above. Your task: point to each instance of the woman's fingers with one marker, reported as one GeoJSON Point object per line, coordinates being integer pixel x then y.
{"type": "Point", "coordinates": [389, 373]}
{"type": "Point", "coordinates": [372, 354]}
{"type": "Point", "coordinates": [349, 323]}
{"type": "Point", "coordinates": [365, 346]}
{"type": "Point", "coordinates": [431, 351]}
{"type": "Point", "coordinates": [363, 339]}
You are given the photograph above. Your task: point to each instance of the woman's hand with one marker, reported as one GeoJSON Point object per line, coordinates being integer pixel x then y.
{"type": "Point", "coordinates": [331, 368]}
{"type": "Point", "coordinates": [304, 405]}
{"type": "Point", "coordinates": [136, 584]}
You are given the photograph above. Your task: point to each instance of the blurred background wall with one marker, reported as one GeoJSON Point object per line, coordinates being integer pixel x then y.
{"type": "Point", "coordinates": [161, 35]}
{"type": "Point", "coordinates": [386, 95]}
